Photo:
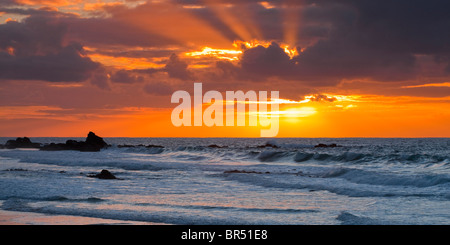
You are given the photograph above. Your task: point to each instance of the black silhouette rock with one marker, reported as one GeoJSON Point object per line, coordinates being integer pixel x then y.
{"type": "Point", "coordinates": [95, 140]}
{"type": "Point", "coordinates": [93, 143]}
{"type": "Point", "coordinates": [24, 142]}
{"type": "Point", "coordinates": [104, 174]}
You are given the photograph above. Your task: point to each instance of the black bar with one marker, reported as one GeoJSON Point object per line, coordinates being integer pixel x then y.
{"type": "Point", "coordinates": [225, 234]}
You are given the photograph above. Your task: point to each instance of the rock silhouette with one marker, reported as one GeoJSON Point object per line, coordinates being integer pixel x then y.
{"type": "Point", "coordinates": [95, 140]}
{"type": "Point", "coordinates": [104, 174]}
{"type": "Point", "coordinates": [92, 143]}
{"type": "Point", "coordinates": [24, 142]}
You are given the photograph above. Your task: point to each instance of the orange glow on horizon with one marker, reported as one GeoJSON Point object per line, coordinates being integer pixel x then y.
{"type": "Point", "coordinates": [369, 116]}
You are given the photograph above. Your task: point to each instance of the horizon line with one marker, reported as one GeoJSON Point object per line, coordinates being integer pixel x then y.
{"type": "Point", "coordinates": [268, 138]}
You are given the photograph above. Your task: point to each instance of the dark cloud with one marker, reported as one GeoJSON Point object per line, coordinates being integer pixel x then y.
{"type": "Point", "coordinates": [347, 59]}
{"type": "Point", "coordinates": [374, 39]}
{"type": "Point", "coordinates": [404, 25]}
{"type": "Point", "coordinates": [353, 39]}
{"type": "Point", "coordinates": [177, 68]}
{"type": "Point", "coordinates": [35, 35]}
{"type": "Point", "coordinates": [270, 61]}
{"type": "Point", "coordinates": [348, 39]}
{"type": "Point", "coordinates": [148, 71]}
{"type": "Point", "coordinates": [35, 49]}
{"type": "Point", "coordinates": [67, 65]}
{"type": "Point", "coordinates": [127, 77]}
{"type": "Point", "coordinates": [101, 80]}
{"type": "Point", "coordinates": [260, 63]}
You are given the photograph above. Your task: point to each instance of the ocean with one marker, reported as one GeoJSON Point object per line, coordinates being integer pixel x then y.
{"type": "Point", "coordinates": [236, 181]}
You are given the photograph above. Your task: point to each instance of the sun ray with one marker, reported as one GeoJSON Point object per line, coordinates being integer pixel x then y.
{"type": "Point", "coordinates": [238, 17]}
{"type": "Point", "coordinates": [222, 11]}
{"type": "Point", "coordinates": [291, 19]}
{"type": "Point", "coordinates": [171, 21]}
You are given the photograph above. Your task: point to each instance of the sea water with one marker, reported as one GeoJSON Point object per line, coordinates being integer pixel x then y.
{"type": "Point", "coordinates": [224, 181]}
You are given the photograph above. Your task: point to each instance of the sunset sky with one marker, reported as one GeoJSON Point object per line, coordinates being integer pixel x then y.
{"type": "Point", "coordinates": [350, 68]}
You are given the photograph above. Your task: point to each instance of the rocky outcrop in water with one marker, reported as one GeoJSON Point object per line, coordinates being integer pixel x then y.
{"type": "Point", "coordinates": [104, 174]}
{"type": "Point", "coordinates": [92, 143]}
{"type": "Point", "coordinates": [24, 142]}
